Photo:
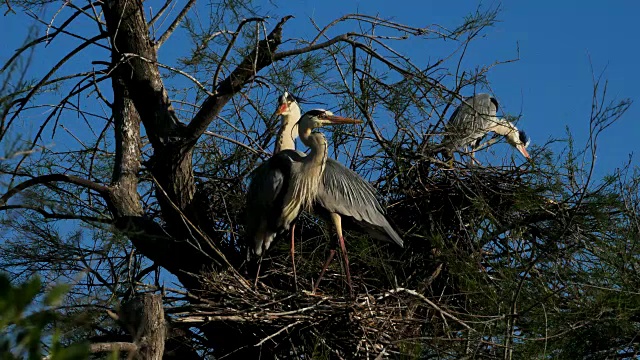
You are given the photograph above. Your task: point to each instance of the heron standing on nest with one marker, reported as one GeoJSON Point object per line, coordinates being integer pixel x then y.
{"type": "Point", "coordinates": [291, 181]}
{"type": "Point", "coordinates": [473, 119]}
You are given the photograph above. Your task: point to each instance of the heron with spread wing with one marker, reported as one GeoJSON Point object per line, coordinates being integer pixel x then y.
{"type": "Point", "coordinates": [291, 181]}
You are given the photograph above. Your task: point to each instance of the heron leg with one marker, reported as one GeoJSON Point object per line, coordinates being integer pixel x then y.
{"type": "Point", "coordinates": [346, 264]}
{"type": "Point", "coordinates": [475, 147]}
{"type": "Point", "coordinates": [324, 268]}
{"type": "Point", "coordinates": [473, 157]}
{"type": "Point", "coordinates": [255, 283]}
{"type": "Point", "coordinates": [337, 221]}
{"type": "Point", "coordinates": [293, 259]}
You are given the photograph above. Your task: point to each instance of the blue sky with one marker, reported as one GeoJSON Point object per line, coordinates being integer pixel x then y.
{"type": "Point", "coordinates": [559, 42]}
{"type": "Point", "coordinates": [551, 84]}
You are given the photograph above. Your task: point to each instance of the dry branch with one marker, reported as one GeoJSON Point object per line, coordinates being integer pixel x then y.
{"type": "Point", "coordinates": [258, 59]}
{"type": "Point", "coordinates": [112, 347]}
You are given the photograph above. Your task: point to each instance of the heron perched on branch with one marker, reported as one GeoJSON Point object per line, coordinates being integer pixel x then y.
{"type": "Point", "coordinates": [476, 117]}
{"type": "Point", "coordinates": [291, 181]}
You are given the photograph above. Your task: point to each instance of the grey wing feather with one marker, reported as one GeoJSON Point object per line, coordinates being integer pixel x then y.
{"type": "Point", "coordinates": [469, 121]}
{"type": "Point", "coordinates": [266, 183]}
{"type": "Point", "coordinates": [344, 192]}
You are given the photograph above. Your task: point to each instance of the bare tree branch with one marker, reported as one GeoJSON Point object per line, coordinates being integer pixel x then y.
{"type": "Point", "coordinates": [101, 189]}
{"type": "Point", "coordinates": [49, 215]}
{"type": "Point", "coordinates": [112, 347]}
{"type": "Point", "coordinates": [44, 79]}
{"type": "Point", "coordinates": [229, 47]}
{"type": "Point", "coordinates": [258, 59]}
{"type": "Point", "coordinates": [175, 23]}
{"type": "Point", "coordinates": [9, 8]}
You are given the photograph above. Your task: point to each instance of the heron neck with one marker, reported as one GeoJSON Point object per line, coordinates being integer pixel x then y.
{"type": "Point", "coordinates": [306, 182]}
{"type": "Point", "coordinates": [287, 137]}
{"type": "Point", "coordinates": [317, 143]}
{"type": "Point", "coordinates": [502, 126]}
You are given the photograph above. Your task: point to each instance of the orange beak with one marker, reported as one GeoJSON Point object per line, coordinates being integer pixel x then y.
{"type": "Point", "coordinates": [340, 120]}
{"type": "Point", "coordinates": [282, 108]}
{"type": "Point", "coordinates": [523, 151]}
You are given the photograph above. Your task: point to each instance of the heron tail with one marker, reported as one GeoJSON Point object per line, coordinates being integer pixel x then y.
{"type": "Point", "coordinates": [384, 233]}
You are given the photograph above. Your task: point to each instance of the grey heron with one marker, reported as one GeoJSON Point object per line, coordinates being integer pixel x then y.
{"type": "Point", "coordinates": [290, 111]}
{"type": "Point", "coordinates": [476, 117]}
{"type": "Point", "coordinates": [330, 187]}
{"type": "Point", "coordinates": [264, 178]}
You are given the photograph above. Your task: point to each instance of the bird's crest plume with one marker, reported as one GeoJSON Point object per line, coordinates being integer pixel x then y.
{"type": "Point", "coordinates": [524, 138]}
{"type": "Point", "coordinates": [314, 112]}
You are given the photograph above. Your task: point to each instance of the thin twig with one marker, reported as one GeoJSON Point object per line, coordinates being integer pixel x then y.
{"type": "Point", "coordinates": [432, 304]}
{"type": "Point", "coordinates": [229, 46]}
{"type": "Point", "coordinates": [175, 23]}
{"type": "Point", "coordinates": [9, 8]}
{"type": "Point", "coordinates": [232, 141]}
{"type": "Point", "coordinates": [278, 332]}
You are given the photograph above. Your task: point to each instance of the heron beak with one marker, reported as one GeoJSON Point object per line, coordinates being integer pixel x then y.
{"type": "Point", "coordinates": [339, 120]}
{"type": "Point", "coordinates": [523, 151]}
{"type": "Point", "coordinates": [282, 108]}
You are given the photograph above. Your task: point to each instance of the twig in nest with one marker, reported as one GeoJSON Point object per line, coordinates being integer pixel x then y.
{"type": "Point", "coordinates": [431, 303]}
{"type": "Point", "coordinates": [278, 332]}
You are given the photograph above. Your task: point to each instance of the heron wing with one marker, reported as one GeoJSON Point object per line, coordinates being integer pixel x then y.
{"type": "Point", "coordinates": [345, 193]}
{"type": "Point", "coordinates": [267, 187]}
{"type": "Point", "coordinates": [469, 121]}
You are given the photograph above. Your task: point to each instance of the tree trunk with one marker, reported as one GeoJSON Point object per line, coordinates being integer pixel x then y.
{"type": "Point", "coordinates": [140, 96]}
{"type": "Point", "coordinates": [143, 316]}
{"type": "Point", "coordinates": [135, 60]}
{"type": "Point", "coordinates": [124, 185]}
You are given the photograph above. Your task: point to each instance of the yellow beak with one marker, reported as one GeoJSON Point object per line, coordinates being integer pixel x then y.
{"type": "Point", "coordinates": [523, 151]}
{"type": "Point", "coordinates": [340, 120]}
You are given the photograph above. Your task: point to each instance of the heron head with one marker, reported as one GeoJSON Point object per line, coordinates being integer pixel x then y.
{"type": "Point", "coordinates": [519, 140]}
{"type": "Point", "coordinates": [320, 117]}
{"type": "Point", "coordinates": [286, 103]}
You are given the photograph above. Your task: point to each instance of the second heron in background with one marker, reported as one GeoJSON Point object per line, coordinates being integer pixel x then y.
{"type": "Point", "coordinates": [473, 119]}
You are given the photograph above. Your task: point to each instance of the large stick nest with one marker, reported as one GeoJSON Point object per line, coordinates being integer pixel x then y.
{"type": "Point", "coordinates": [384, 322]}
{"type": "Point", "coordinates": [403, 295]}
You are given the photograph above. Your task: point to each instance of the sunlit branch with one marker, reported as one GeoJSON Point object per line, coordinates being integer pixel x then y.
{"type": "Point", "coordinates": [159, 13]}
{"type": "Point", "coordinates": [234, 82]}
{"type": "Point", "coordinates": [114, 346]}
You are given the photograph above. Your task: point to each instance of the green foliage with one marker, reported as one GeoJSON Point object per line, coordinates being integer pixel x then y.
{"type": "Point", "coordinates": [24, 323]}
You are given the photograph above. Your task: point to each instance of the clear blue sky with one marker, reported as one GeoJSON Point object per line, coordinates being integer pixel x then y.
{"type": "Point", "coordinates": [550, 85]}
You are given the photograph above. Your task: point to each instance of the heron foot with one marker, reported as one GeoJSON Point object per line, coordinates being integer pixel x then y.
{"type": "Point", "coordinates": [324, 268]}
{"type": "Point", "coordinates": [293, 258]}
